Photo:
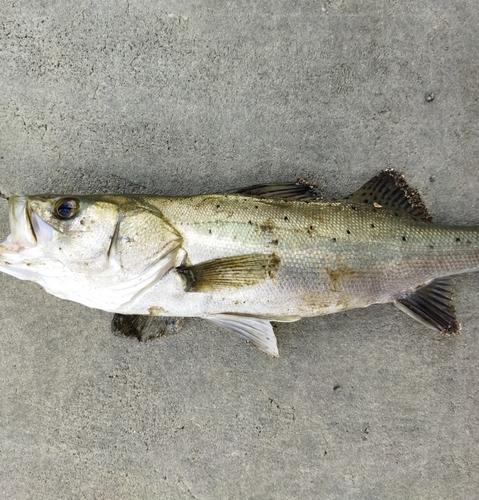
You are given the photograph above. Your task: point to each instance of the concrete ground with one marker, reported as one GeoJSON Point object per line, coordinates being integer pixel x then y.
{"type": "Point", "coordinates": [192, 96]}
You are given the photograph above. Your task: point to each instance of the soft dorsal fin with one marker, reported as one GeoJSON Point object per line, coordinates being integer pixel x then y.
{"type": "Point", "coordinates": [229, 272]}
{"type": "Point", "coordinates": [389, 190]}
{"type": "Point", "coordinates": [300, 190]}
{"type": "Point", "coordinates": [432, 305]}
{"type": "Point", "coordinates": [145, 328]}
{"type": "Point", "coordinates": [257, 331]}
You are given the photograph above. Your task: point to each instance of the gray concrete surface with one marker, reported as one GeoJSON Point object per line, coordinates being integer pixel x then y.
{"type": "Point", "coordinates": [192, 96]}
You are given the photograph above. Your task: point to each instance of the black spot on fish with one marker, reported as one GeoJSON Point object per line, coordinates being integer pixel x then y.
{"type": "Point", "coordinates": [373, 226]}
{"type": "Point", "coordinates": [458, 240]}
{"type": "Point", "coordinates": [348, 231]}
{"type": "Point", "coordinates": [334, 239]}
{"type": "Point", "coordinates": [404, 238]}
{"type": "Point", "coordinates": [286, 217]}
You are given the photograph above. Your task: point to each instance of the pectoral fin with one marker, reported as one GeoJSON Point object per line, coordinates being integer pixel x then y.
{"type": "Point", "coordinates": [229, 272]}
{"type": "Point", "coordinates": [432, 305]}
{"type": "Point", "coordinates": [257, 331]}
{"type": "Point", "coordinates": [145, 328]}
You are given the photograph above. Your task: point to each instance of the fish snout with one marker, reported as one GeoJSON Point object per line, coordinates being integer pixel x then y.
{"type": "Point", "coordinates": [22, 234]}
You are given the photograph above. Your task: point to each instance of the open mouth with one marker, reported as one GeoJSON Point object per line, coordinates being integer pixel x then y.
{"type": "Point", "coordinates": [23, 253]}
{"type": "Point", "coordinates": [27, 228]}
{"type": "Point", "coordinates": [22, 234]}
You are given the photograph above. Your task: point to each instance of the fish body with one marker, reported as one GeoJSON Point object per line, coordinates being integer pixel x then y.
{"type": "Point", "coordinates": [245, 258]}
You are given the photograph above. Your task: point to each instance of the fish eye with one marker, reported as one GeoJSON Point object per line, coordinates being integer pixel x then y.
{"type": "Point", "coordinates": [66, 208]}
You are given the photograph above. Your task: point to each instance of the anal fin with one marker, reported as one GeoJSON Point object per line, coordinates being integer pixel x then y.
{"type": "Point", "coordinates": [257, 331]}
{"type": "Point", "coordinates": [432, 305]}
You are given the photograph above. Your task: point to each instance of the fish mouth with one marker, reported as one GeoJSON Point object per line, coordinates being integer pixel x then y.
{"type": "Point", "coordinates": [22, 235]}
{"type": "Point", "coordinates": [27, 229]}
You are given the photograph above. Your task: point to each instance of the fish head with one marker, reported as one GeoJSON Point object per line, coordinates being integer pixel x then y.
{"type": "Point", "coordinates": [49, 235]}
{"type": "Point", "coordinates": [97, 250]}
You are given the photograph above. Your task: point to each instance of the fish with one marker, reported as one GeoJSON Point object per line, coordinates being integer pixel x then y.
{"type": "Point", "coordinates": [243, 258]}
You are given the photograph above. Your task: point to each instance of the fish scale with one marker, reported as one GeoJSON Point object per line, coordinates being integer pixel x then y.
{"type": "Point", "coordinates": [380, 251]}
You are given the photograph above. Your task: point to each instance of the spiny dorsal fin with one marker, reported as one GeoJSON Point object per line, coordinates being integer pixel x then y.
{"type": "Point", "coordinates": [257, 331]}
{"type": "Point", "coordinates": [432, 305]}
{"type": "Point", "coordinates": [229, 272]}
{"type": "Point", "coordinates": [300, 190]}
{"type": "Point", "coordinates": [145, 328]}
{"type": "Point", "coordinates": [389, 190]}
